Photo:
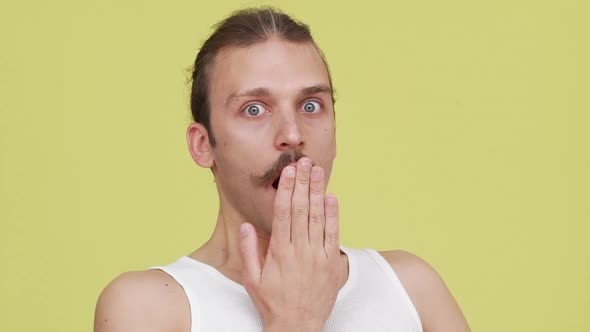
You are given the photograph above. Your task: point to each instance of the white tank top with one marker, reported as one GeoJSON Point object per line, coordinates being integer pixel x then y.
{"type": "Point", "coordinates": [372, 299]}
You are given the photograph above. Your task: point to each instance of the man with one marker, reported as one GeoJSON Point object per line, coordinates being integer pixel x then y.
{"type": "Point", "coordinates": [262, 102]}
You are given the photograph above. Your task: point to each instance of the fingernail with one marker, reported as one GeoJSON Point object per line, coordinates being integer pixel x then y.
{"type": "Point", "coordinates": [290, 171]}
{"type": "Point", "coordinates": [305, 163]}
{"type": "Point", "coordinates": [244, 229]}
{"type": "Point", "coordinates": [316, 173]}
{"type": "Point", "coordinates": [331, 199]}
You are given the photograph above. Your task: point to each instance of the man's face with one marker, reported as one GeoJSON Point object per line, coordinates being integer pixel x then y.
{"type": "Point", "coordinates": [271, 103]}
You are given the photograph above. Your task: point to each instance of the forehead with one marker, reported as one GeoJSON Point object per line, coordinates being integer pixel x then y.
{"type": "Point", "coordinates": [280, 66]}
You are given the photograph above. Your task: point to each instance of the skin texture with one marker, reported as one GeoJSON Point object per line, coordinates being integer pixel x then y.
{"type": "Point", "coordinates": [269, 100]}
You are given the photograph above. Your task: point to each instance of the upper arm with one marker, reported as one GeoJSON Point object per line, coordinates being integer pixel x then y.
{"type": "Point", "coordinates": [142, 301]}
{"type": "Point", "coordinates": [435, 304]}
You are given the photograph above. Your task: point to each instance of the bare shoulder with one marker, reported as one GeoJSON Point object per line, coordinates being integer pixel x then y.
{"type": "Point", "coordinates": [148, 300]}
{"type": "Point", "coordinates": [435, 304]}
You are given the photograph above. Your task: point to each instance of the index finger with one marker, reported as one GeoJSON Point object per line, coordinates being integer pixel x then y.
{"type": "Point", "coordinates": [281, 221]}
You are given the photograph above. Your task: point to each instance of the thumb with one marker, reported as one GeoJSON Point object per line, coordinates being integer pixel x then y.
{"type": "Point", "coordinates": [251, 269]}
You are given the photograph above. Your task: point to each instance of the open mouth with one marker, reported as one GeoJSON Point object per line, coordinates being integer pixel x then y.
{"type": "Point", "coordinates": [275, 183]}
{"type": "Point", "coordinates": [277, 178]}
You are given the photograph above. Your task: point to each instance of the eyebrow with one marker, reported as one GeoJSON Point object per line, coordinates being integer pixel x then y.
{"type": "Point", "coordinates": [265, 92]}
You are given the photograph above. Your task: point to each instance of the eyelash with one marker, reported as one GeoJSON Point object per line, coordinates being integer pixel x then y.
{"type": "Point", "coordinates": [243, 109]}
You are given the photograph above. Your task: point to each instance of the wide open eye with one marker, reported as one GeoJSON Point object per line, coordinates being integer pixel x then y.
{"type": "Point", "coordinates": [254, 110]}
{"type": "Point", "coordinates": [311, 107]}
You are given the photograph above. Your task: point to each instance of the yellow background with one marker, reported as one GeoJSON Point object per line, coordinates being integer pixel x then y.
{"type": "Point", "coordinates": [462, 137]}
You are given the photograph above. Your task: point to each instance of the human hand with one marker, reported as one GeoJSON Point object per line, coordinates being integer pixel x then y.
{"type": "Point", "coordinates": [297, 286]}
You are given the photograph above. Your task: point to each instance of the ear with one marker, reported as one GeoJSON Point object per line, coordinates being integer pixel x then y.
{"type": "Point", "coordinates": [199, 145]}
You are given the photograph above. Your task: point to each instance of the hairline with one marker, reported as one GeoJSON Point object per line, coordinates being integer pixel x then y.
{"type": "Point", "coordinates": [226, 50]}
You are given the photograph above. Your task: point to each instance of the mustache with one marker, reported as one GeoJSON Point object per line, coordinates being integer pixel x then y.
{"type": "Point", "coordinates": [268, 177]}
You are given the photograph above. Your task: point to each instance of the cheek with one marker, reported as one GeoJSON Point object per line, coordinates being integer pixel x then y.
{"type": "Point", "coordinates": [323, 147]}
{"type": "Point", "coordinates": [328, 140]}
{"type": "Point", "coordinates": [242, 132]}
{"type": "Point", "coordinates": [240, 158]}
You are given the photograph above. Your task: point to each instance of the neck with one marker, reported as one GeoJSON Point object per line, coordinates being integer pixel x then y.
{"type": "Point", "coordinates": [222, 250]}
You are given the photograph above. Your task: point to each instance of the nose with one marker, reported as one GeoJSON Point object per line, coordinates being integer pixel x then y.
{"type": "Point", "coordinates": [289, 135]}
